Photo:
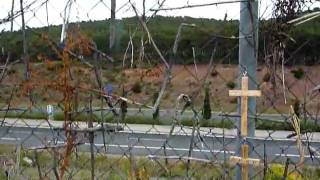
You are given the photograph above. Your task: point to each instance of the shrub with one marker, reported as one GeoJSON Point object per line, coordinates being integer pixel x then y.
{"type": "Point", "coordinates": [76, 117]}
{"type": "Point", "coordinates": [298, 73]}
{"type": "Point", "coordinates": [123, 106]}
{"type": "Point", "coordinates": [11, 71]}
{"type": "Point", "coordinates": [141, 120]}
{"type": "Point", "coordinates": [214, 73]}
{"type": "Point", "coordinates": [206, 113]}
{"type": "Point", "coordinates": [296, 107]}
{"type": "Point", "coordinates": [234, 100]}
{"type": "Point", "coordinates": [276, 172]}
{"type": "Point", "coordinates": [155, 115]}
{"type": "Point", "coordinates": [50, 66]}
{"type": "Point", "coordinates": [137, 87]}
{"type": "Point", "coordinates": [231, 85]}
{"type": "Point", "coordinates": [266, 77]}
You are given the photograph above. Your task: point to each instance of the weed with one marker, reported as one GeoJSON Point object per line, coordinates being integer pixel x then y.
{"type": "Point", "coordinates": [214, 73]}
{"type": "Point", "coordinates": [206, 105]}
{"type": "Point", "coordinates": [231, 85]}
{"type": "Point", "coordinates": [266, 77]}
{"type": "Point", "coordinates": [233, 100]}
{"type": "Point", "coordinates": [276, 171]}
{"type": "Point", "coordinates": [11, 71]}
{"type": "Point", "coordinates": [298, 73]}
{"type": "Point", "coordinates": [137, 87]}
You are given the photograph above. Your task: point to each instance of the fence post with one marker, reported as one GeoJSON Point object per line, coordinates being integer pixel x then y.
{"type": "Point", "coordinates": [25, 44]}
{"type": "Point", "coordinates": [248, 54]}
{"type": "Point", "coordinates": [112, 27]}
{"type": "Point", "coordinates": [11, 16]}
{"type": "Point", "coordinates": [91, 138]}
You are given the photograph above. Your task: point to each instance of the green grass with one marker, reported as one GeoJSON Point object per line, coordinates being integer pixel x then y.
{"type": "Point", "coordinates": [110, 118]}
{"type": "Point", "coordinates": [140, 119]}
{"type": "Point", "coordinates": [76, 117]}
{"type": "Point", "coordinates": [274, 125]}
{"type": "Point", "coordinates": [111, 167]}
{"type": "Point", "coordinates": [276, 171]}
{"type": "Point", "coordinates": [121, 167]}
{"type": "Point", "coordinates": [298, 73]}
{"type": "Point", "coordinates": [209, 123]}
{"type": "Point", "coordinates": [25, 115]}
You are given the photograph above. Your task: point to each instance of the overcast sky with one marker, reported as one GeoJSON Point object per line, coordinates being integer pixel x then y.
{"type": "Point", "coordinates": [84, 10]}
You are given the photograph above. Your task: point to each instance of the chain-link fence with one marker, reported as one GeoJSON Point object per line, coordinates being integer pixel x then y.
{"type": "Point", "coordinates": [87, 95]}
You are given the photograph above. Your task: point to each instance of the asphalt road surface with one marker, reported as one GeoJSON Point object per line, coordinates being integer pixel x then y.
{"type": "Point", "coordinates": [209, 144]}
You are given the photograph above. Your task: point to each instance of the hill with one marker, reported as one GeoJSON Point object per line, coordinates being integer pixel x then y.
{"type": "Point", "coordinates": [204, 37]}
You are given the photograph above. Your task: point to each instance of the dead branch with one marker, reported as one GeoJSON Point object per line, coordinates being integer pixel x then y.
{"type": "Point", "coordinates": [304, 18]}
{"type": "Point", "coordinates": [131, 63]}
{"type": "Point", "coordinates": [178, 35]}
{"type": "Point", "coordinates": [4, 68]}
{"type": "Point", "coordinates": [141, 51]}
{"type": "Point", "coordinates": [194, 61]}
{"type": "Point", "coordinates": [125, 55]}
{"type": "Point", "coordinates": [150, 36]}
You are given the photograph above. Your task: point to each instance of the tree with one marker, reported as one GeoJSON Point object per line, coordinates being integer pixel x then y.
{"type": "Point", "coordinates": [155, 115]}
{"type": "Point", "coordinates": [206, 112]}
{"type": "Point", "coordinates": [123, 106]}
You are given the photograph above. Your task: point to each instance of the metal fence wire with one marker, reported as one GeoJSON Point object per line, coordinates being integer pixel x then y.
{"type": "Point", "coordinates": [133, 110]}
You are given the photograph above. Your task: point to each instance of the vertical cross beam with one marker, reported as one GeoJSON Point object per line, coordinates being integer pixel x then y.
{"type": "Point", "coordinates": [244, 153]}
{"type": "Point", "coordinates": [244, 159]}
{"type": "Point", "coordinates": [244, 107]}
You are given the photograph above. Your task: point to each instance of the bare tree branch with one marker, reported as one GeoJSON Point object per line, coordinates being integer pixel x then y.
{"type": "Point", "coordinates": [199, 5]}
{"type": "Point", "coordinates": [149, 36]}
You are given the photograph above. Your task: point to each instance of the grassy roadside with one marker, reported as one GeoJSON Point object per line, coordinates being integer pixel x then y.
{"type": "Point", "coordinates": [24, 115]}
{"type": "Point", "coordinates": [140, 119]}
{"type": "Point", "coordinates": [106, 167]}
{"type": "Point", "coordinates": [122, 167]}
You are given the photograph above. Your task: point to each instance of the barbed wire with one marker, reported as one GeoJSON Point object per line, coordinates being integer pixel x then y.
{"type": "Point", "coordinates": [85, 113]}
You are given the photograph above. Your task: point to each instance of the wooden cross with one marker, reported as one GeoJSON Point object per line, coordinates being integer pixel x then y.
{"type": "Point", "coordinates": [244, 159]}
{"type": "Point", "coordinates": [244, 93]}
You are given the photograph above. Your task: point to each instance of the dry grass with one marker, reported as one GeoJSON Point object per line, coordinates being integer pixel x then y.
{"type": "Point", "coordinates": [182, 82]}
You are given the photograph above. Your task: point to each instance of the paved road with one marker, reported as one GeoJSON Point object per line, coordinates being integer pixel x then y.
{"type": "Point", "coordinates": [147, 140]}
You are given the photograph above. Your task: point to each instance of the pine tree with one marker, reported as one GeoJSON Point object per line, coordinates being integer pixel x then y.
{"type": "Point", "coordinates": [123, 106]}
{"type": "Point", "coordinates": [206, 112]}
{"type": "Point", "coordinates": [155, 115]}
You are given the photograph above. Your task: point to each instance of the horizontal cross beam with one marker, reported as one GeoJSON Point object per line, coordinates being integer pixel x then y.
{"type": "Point", "coordinates": [241, 161]}
{"type": "Point", "coordinates": [244, 93]}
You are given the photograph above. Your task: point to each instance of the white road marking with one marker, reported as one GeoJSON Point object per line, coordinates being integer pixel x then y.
{"type": "Point", "coordinates": [10, 139]}
{"type": "Point", "coordinates": [146, 139]}
{"type": "Point", "coordinates": [158, 148]}
{"type": "Point", "coordinates": [296, 155]}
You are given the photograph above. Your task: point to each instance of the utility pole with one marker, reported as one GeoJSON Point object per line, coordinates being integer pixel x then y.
{"type": "Point", "coordinates": [248, 55]}
{"type": "Point", "coordinates": [11, 16]}
{"type": "Point", "coordinates": [112, 27]}
{"type": "Point", "coordinates": [25, 46]}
